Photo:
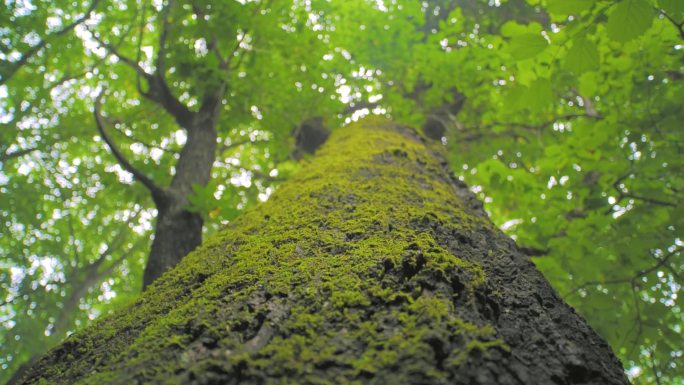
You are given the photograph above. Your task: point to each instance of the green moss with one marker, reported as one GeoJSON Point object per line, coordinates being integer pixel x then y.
{"type": "Point", "coordinates": [341, 264]}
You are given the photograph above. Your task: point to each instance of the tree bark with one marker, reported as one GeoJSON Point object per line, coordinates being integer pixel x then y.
{"type": "Point", "coordinates": [178, 231]}
{"type": "Point", "coordinates": [373, 265]}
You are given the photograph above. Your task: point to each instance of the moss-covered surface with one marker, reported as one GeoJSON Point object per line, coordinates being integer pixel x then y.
{"type": "Point", "coordinates": [367, 267]}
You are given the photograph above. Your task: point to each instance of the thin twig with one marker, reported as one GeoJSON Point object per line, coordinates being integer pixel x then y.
{"type": "Point", "coordinates": [540, 125]}
{"type": "Point", "coordinates": [17, 154]}
{"type": "Point", "coordinates": [661, 261]}
{"type": "Point", "coordinates": [654, 368]}
{"type": "Point", "coordinates": [122, 58]}
{"type": "Point", "coordinates": [163, 37]}
{"type": "Point", "coordinates": [679, 26]}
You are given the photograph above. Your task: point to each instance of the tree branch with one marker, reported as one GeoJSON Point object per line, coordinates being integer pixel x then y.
{"type": "Point", "coordinates": [648, 200]}
{"type": "Point", "coordinates": [16, 154]}
{"type": "Point", "coordinates": [131, 138]}
{"type": "Point", "coordinates": [156, 191]}
{"type": "Point", "coordinates": [533, 252]}
{"type": "Point", "coordinates": [114, 244]}
{"type": "Point", "coordinates": [44, 42]}
{"type": "Point", "coordinates": [234, 51]}
{"type": "Point", "coordinates": [161, 94]}
{"type": "Point", "coordinates": [356, 106]}
{"type": "Point", "coordinates": [256, 174]}
{"type": "Point", "coordinates": [661, 261]}
{"type": "Point", "coordinates": [541, 125]}
{"type": "Point", "coordinates": [241, 39]}
{"type": "Point", "coordinates": [159, 91]}
{"type": "Point", "coordinates": [213, 43]}
{"type": "Point", "coordinates": [654, 368]}
{"type": "Point", "coordinates": [141, 33]}
{"type": "Point", "coordinates": [122, 58]}
{"type": "Point", "coordinates": [679, 26]}
{"type": "Point", "coordinates": [238, 143]}
{"type": "Point", "coordinates": [163, 36]}
{"type": "Point", "coordinates": [212, 101]}
{"type": "Point", "coordinates": [623, 193]}
{"type": "Point", "coordinates": [67, 77]}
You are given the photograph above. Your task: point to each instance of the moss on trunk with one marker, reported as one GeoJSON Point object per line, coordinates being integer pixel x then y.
{"type": "Point", "coordinates": [372, 265]}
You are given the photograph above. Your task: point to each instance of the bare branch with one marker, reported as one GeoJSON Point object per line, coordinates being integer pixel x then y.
{"type": "Point", "coordinates": [140, 176]}
{"type": "Point", "coordinates": [623, 193]}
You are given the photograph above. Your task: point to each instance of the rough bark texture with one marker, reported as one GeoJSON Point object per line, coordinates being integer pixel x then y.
{"type": "Point", "coordinates": [372, 266]}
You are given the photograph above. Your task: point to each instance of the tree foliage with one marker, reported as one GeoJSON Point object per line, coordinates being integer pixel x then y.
{"type": "Point", "coordinates": [563, 115]}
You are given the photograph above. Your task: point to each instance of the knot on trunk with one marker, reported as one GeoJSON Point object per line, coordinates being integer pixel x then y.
{"type": "Point", "coordinates": [309, 136]}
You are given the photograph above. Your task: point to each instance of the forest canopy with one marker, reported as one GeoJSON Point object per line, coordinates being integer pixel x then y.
{"type": "Point", "coordinates": [563, 116]}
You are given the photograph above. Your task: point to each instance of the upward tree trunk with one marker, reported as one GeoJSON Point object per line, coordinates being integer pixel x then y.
{"type": "Point", "coordinates": [373, 265]}
{"type": "Point", "coordinates": [178, 231]}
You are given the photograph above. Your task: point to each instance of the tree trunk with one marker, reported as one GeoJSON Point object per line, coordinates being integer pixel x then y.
{"type": "Point", "coordinates": [178, 231]}
{"type": "Point", "coordinates": [373, 265]}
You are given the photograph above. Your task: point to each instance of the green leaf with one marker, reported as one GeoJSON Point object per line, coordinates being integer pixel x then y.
{"type": "Point", "coordinates": [582, 57]}
{"type": "Point", "coordinates": [202, 198]}
{"type": "Point", "coordinates": [515, 97]}
{"type": "Point", "coordinates": [539, 95]}
{"type": "Point", "coordinates": [588, 84]}
{"type": "Point", "coordinates": [512, 28]}
{"type": "Point", "coordinates": [629, 20]}
{"type": "Point", "coordinates": [568, 7]}
{"type": "Point", "coordinates": [527, 45]}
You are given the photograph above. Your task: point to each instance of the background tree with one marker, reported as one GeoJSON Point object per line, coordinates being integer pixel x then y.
{"type": "Point", "coordinates": [563, 115]}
